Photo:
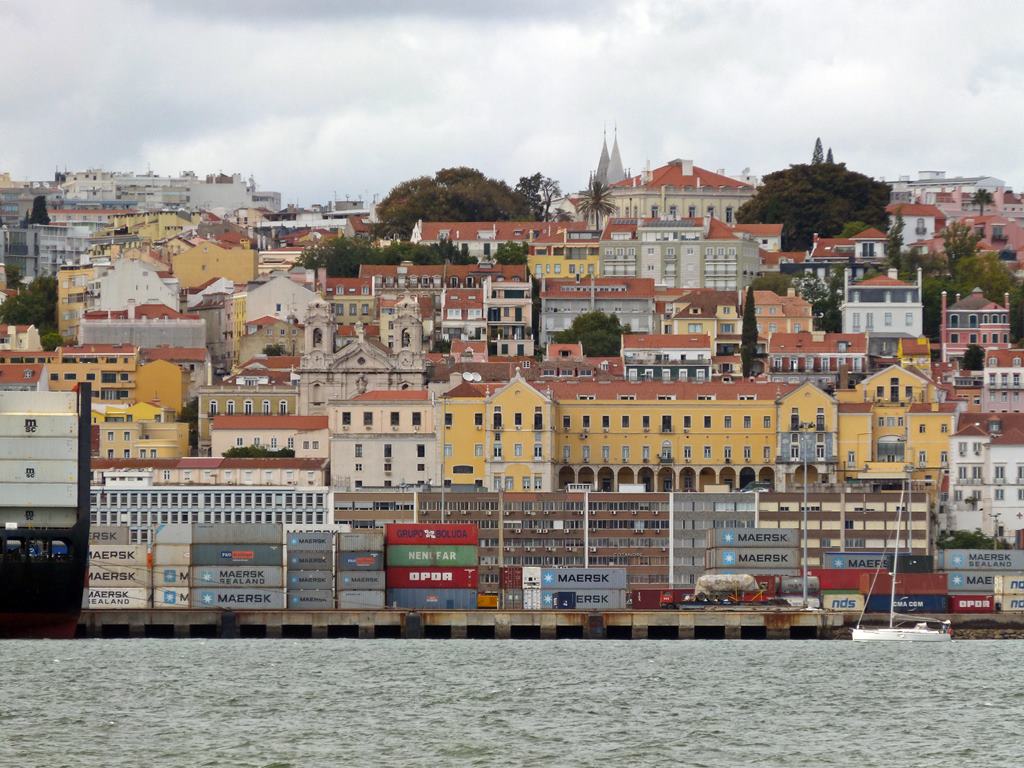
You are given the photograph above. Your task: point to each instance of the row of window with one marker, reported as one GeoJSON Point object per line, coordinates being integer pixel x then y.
{"type": "Point", "coordinates": [181, 500]}
{"type": "Point", "coordinates": [667, 422]}
{"type": "Point", "coordinates": [394, 418]}
{"type": "Point", "coordinates": [954, 338]}
{"type": "Point", "coordinates": [887, 320]}
{"type": "Point", "coordinates": [248, 407]}
{"type": "Point", "coordinates": [274, 443]}
{"type": "Point", "coordinates": [665, 455]}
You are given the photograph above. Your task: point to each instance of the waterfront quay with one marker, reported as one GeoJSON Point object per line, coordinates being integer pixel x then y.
{"type": "Point", "coordinates": [715, 623]}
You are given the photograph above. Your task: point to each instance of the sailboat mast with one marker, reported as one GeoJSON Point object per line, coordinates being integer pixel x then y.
{"type": "Point", "coordinates": [896, 556]}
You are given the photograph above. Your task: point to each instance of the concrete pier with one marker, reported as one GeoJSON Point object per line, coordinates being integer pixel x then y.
{"type": "Point", "coordinates": [709, 623]}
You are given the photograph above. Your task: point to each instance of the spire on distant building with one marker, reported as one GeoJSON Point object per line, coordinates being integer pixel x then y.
{"type": "Point", "coordinates": [601, 174]}
{"type": "Point", "coordinates": [615, 171]}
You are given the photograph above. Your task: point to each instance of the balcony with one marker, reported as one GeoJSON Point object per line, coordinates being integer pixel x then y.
{"type": "Point", "coordinates": [665, 458]}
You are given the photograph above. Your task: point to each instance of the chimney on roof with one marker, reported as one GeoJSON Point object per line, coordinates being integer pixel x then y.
{"type": "Point", "coordinates": [131, 309]}
{"type": "Point", "coordinates": [791, 292]}
{"type": "Point", "coordinates": [1006, 300]}
{"type": "Point", "coordinates": [687, 167]}
{"type": "Point", "coordinates": [893, 274]}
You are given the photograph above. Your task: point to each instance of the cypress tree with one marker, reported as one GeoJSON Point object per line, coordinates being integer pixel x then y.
{"type": "Point", "coordinates": [828, 157]}
{"type": "Point", "coordinates": [39, 214]}
{"type": "Point", "coordinates": [748, 343]}
{"type": "Point", "coordinates": [818, 155]}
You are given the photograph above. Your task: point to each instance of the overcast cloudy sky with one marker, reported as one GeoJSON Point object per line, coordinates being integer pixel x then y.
{"type": "Point", "coordinates": [315, 97]}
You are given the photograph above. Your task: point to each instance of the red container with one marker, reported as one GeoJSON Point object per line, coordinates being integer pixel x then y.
{"type": "Point", "coordinates": [428, 533]}
{"type": "Point", "coordinates": [972, 604]}
{"type": "Point", "coordinates": [512, 577]}
{"type": "Point", "coordinates": [655, 599]}
{"type": "Point", "coordinates": [841, 579]}
{"type": "Point", "coordinates": [906, 583]}
{"type": "Point", "coordinates": [432, 578]}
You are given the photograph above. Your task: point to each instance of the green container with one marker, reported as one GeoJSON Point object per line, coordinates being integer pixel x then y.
{"type": "Point", "coordinates": [411, 556]}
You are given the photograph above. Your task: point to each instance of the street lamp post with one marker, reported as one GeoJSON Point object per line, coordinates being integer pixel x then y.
{"type": "Point", "coordinates": [805, 428]}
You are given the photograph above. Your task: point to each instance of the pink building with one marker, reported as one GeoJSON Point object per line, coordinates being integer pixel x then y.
{"type": "Point", "coordinates": [974, 320]}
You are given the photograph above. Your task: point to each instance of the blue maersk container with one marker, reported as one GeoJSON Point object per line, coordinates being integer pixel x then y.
{"type": "Point", "coordinates": [909, 604]}
{"type": "Point", "coordinates": [432, 599]}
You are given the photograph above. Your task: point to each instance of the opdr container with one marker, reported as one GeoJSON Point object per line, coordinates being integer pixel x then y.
{"type": "Point", "coordinates": [1009, 584]}
{"type": "Point", "coordinates": [238, 554]}
{"type": "Point", "coordinates": [572, 579]}
{"type": "Point", "coordinates": [322, 541]}
{"type": "Point", "coordinates": [431, 578]}
{"type": "Point", "coordinates": [972, 604]}
{"type": "Point", "coordinates": [589, 599]}
{"type": "Point", "coordinates": [361, 580]}
{"type": "Point", "coordinates": [437, 556]}
{"type": "Point", "coordinates": [319, 580]}
{"type": "Point", "coordinates": [266, 576]}
{"type": "Point", "coordinates": [432, 533]}
{"type": "Point", "coordinates": [753, 559]}
{"type": "Point", "coordinates": [850, 602]}
{"type": "Point", "coordinates": [906, 583]}
{"type": "Point", "coordinates": [361, 561]}
{"type": "Point", "coordinates": [171, 598]}
{"type": "Point", "coordinates": [318, 599]}
{"type": "Point", "coordinates": [351, 600]}
{"type": "Point", "coordinates": [369, 541]}
{"type": "Point", "coordinates": [241, 599]}
{"type": "Point", "coordinates": [309, 559]}
{"type": "Point", "coordinates": [237, 533]}
{"type": "Point", "coordinates": [981, 559]}
{"type": "Point", "coordinates": [908, 604]}
{"type": "Point", "coordinates": [971, 582]}
{"type": "Point", "coordinates": [104, 597]}
{"type": "Point", "coordinates": [432, 599]}
{"type": "Point", "coordinates": [753, 537]}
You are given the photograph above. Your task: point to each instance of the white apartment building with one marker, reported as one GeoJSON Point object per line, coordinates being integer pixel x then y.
{"type": "Point", "coordinates": [884, 307]}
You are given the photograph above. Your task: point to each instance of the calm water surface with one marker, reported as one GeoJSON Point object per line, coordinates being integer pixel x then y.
{"type": "Point", "coordinates": [240, 703]}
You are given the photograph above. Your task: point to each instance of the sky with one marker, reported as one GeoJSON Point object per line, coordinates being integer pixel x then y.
{"type": "Point", "coordinates": [325, 98]}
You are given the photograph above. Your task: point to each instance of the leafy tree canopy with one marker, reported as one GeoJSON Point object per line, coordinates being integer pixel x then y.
{"type": "Point", "coordinates": [38, 214]}
{"type": "Point", "coordinates": [825, 298]}
{"type": "Point", "coordinates": [451, 194]}
{"type": "Point", "coordinates": [965, 540]}
{"type": "Point", "coordinates": [819, 197]}
{"type": "Point", "coordinates": [343, 255]}
{"type": "Point", "coordinates": [258, 452]}
{"type": "Point", "coordinates": [35, 305]}
{"type": "Point", "coordinates": [600, 334]}
{"type": "Point", "coordinates": [539, 191]}
{"type": "Point", "coordinates": [274, 350]}
{"type": "Point", "coordinates": [852, 228]}
{"type": "Point", "coordinates": [511, 253]}
{"type": "Point", "coordinates": [190, 415]}
{"type": "Point", "coordinates": [50, 340]}
{"type": "Point", "coordinates": [959, 240]}
{"type": "Point", "coordinates": [974, 358]}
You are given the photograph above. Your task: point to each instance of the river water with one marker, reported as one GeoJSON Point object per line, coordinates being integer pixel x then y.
{"type": "Point", "coordinates": [283, 703]}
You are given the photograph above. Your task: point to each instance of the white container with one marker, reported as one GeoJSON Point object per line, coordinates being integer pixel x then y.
{"type": "Point", "coordinates": [38, 448]}
{"type": "Point", "coordinates": [33, 495]}
{"type": "Point", "coordinates": [118, 576]}
{"type": "Point", "coordinates": [40, 471]}
{"type": "Point", "coordinates": [108, 534]}
{"type": "Point", "coordinates": [847, 602]}
{"type": "Point", "coordinates": [50, 403]}
{"type": "Point", "coordinates": [171, 598]}
{"type": "Point", "coordinates": [172, 533]}
{"type": "Point", "coordinates": [107, 598]}
{"type": "Point", "coordinates": [174, 576]}
{"type": "Point", "coordinates": [172, 554]}
{"type": "Point", "coordinates": [50, 425]}
{"type": "Point", "coordinates": [118, 554]}
{"type": "Point", "coordinates": [531, 577]}
{"type": "Point", "coordinates": [1009, 584]}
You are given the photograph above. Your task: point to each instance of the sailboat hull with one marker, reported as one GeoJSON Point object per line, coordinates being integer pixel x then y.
{"type": "Point", "coordinates": [896, 634]}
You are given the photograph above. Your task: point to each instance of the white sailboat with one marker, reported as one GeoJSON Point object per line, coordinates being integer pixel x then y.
{"type": "Point", "coordinates": [900, 628]}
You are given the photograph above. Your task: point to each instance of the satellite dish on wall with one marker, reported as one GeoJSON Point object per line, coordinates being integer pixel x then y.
{"type": "Point", "coordinates": [467, 376]}
{"type": "Point", "coordinates": [477, 377]}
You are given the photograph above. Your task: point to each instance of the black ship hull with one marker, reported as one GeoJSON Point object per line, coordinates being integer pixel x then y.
{"type": "Point", "coordinates": [43, 571]}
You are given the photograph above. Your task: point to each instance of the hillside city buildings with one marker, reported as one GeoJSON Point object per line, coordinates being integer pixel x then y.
{"type": "Point", "coordinates": [233, 384]}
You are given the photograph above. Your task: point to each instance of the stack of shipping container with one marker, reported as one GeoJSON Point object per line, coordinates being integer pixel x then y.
{"type": "Point", "coordinates": [587, 589]}
{"type": "Point", "coordinates": [762, 551]}
{"type": "Point", "coordinates": [238, 567]}
{"type": "Point", "coordinates": [172, 566]}
{"type": "Point", "coordinates": [360, 580]}
{"type": "Point", "coordinates": [119, 574]}
{"type": "Point", "coordinates": [310, 575]}
{"type": "Point", "coordinates": [432, 566]}
{"type": "Point", "coordinates": [983, 580]}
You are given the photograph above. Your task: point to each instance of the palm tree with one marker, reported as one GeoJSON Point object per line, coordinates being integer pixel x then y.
{"type": "Point", "coordinates": [982, 198]}
{"type": "Point", "coordinates": [596, 201]}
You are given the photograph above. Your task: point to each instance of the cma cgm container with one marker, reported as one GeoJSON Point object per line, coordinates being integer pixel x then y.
{"type": "Point", "coordinates": [433, 599]}
{"type": "Point", "coordinates": [971, 582]}
{"type": "Point", "coordinates": [849, 602]}
{"type": "Point", "coordinates": [909, 603]}
{"type": "Point", "coordinates": [972, 604]}
{"type": "Point", "coordinates": [237, 533]}
{"type": "Point", "coordinates": [237, 554]}
{"type": "Point", "coordinates": [360, 561]}
{"type": "Point", "coordinates": [432, 578]}
{"type": "Point", "coordinates": [449, 555]}
{"type": "Point", "coordinates": [906, 583]}
{"type": "Point", "coordinates": [753, 537]}
{"type": "Point", "coordinates": [458, 534]}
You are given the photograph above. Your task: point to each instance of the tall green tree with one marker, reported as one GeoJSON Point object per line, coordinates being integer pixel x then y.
{"type": "Point", "coordinates": [816, 198]}
{"type": "Point", "coordinates": [825, 297]}
{"type": "Point", "coordinates": [966, 540]}
{"type": "Point", "coordinates": [539, 191]}
{"type": "Point", "coordinates": [818, 155]}
{"type": "Point", "coordinates": [828, 157]}
{"type": "Point", "coordinates": [511, 253]}
{"type": "Point", "coordinates": [959, 240]}
{"type": "Point", "coordinates": [190, 415]}
{"type": "Point", "coordinates": [600, 334]}
{"type": "Point", "coordinates": [852, 228]}
{"type": "Point", "coordinates": [985, 271]}
{"type": "Point", "coordinates": [894, 243]}
{"type": "Point", "coordinates": [39, 214]}
{"type": "Point", "coordinates": [777, 282]}
{"type": "Point", "coordinates": [451, 194]}
{"type": "Point", "coordinates": [974, 358]}
{"type": "Point", "coordinates": [981, 198]}
{"type": "Point", "coordinates": [596, 202]}
{"type": "Point", "coordinates": [12, 274]}
{"type": "Point", "coordinates": [342, 256]}
{"type": "Point", "coordinates": [748, 341]}
{"type": "Point", "coordinates": [35, 305]}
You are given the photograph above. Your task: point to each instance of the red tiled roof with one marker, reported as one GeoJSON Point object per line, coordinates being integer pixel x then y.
{"type": "Point", "coordinates": [175, 354]}
{"type": "Point", "coordinates": [915, 209]}
{"type": "Point", "coordinates": [20, 373]}
{"type": "Point", "coordinates": [1003, 357]}
{"type": "Point", "coordinates": [273, 361]}
{"type": "Point", "coordinates": [349, 286]}
{"type": "Point", "coordinates": [869, 234]}
{"type": "Point", "coordinates": [295, 423]}
{"type": "Point", "coordinates": [86, 349]}
{"type": "Point", "coordinates": [394, 395]}
{"type": "Point", "coordinates": [774, 258]}
{"type": "Point", "coordinates": [760, 230]}
{"type": "Point", "coordinates": [142, 312]}
{"type": "Point", "coordinates": [864, 408]}
{"type": "Point", "coordinates": [554, 351]}
{"type": "Point", "coordinates": [884, 280]}
{"type": "Point", "coordinates": [498, 231]}
{"type": "Point", "coordinates": [671, 175]}
{"type": "Point", "coordinates": [666, 341]}
{"type": "Point", "coordinates": [806, 342]}
{"type": "Point", "coordinates": [634, 288]}
{"type": "Point", "coordinates": [612, 390]}
{"type": "Point", "coordinates": [916, 346]}
{"type": "Point", "coordinates": [933, 408]}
